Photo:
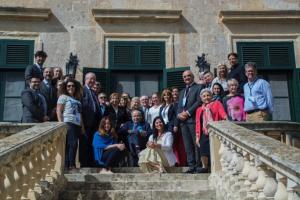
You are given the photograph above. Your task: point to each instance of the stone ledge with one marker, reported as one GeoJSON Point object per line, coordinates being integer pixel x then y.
{"type": "Point", "coordinates": [10, 128]}
{"type": "Point", "coordinates": [281, 157]}
{"type": "Point", "coordinates": [24, 14]}
{"type": "Point", "coordinates": [23, 142]}
{"type": "Point", "coordinates": [276, 16]}
{"type": "Point", "coordinates": [127, 15]}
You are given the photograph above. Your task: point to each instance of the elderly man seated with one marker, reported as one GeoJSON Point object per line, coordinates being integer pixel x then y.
{"type": "Point", "coordinates": [137, 133]}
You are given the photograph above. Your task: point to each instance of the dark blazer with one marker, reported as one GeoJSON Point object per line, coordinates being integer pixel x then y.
{"type": "Point", "coordinates": [135, 137]}
{"type": "Point", "coordinates": [120, 118]}
{"type": "Point", "coordinates": [90, 117]}
{"type": "Point", "coordinates": [105, 113]}
{"type": "Point", "coordinates": [33, 110]}
{"type": "Point", "coordinates": [33, 71]}
{"type": "Point", "coordinates": [51, 99]}
{"type": "Point", "coordinates": [172, 115]}
{"type": "Point", "coordinates": [193, 101]}
{"type": "Point", "coordinates": [238, 72]}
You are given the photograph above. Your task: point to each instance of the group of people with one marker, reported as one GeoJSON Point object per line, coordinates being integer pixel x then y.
{"type": "Point", "coordinates": [156, 132]}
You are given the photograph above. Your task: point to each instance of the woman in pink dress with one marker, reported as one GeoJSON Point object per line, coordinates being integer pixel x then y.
{"type": "Point", "coordinates": [234, 103]}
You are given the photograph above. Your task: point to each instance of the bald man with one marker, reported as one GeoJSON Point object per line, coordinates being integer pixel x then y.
{"type": "Point", "coordinates": [91, 117]}
{"type": "Point", "coordinates": [189, 100]}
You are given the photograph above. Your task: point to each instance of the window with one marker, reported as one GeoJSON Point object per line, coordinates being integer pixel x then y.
{"type": "Point", "coordinates": [276, 64]}
{"type": "Point", "coordinates": [15, 55]}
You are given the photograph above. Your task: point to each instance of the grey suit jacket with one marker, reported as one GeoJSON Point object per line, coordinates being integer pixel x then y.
{"type": "Point", "coordinates": [50, 97]}
{"type": "Point", "coordinates": [33, 110]}
{"type": "Point", "coordinates": [33, 71]}
{"type": "Point", "coordinates": [193, 101]}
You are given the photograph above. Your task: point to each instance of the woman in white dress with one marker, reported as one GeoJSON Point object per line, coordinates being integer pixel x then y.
{"type": "Point", "coordinates": [154, 110]}
{"type": "Point", "coordinates": [159, 152]}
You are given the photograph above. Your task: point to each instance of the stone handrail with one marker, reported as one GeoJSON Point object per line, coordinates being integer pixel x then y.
{"type": "Point", "coordinates": [8, 128]}
{"type": "Point", "coordinates": [249, 165]}
{"type": "Point", "coordinates": [286, 132]}
{"type": "Point", "coordinates": [32, 161]}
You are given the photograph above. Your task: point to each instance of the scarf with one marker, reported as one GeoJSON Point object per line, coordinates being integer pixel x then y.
{"type": "Point", "coordinates": [99, 144]}
{"type": "Point", "coordinates": [207, 116]}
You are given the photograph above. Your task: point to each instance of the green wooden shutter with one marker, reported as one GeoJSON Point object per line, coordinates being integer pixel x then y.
{"type": "Point", "coordinates": [296, 94]}
{"type": "Point", "coordinates": [173, 77]}
{"type": "Point", "coordinates": [267, 55]}
{"type": "Point", "coordinates": [102, 75]}
{"type": "Point", "coordinates": [16, 53]}
{"type": "Point", "coordinates": [136, 55]}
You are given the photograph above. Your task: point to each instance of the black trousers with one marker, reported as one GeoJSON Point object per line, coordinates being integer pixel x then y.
{"type": "Point", "coordinates": [189, 140]}
{"type": "Point", "coordinates": [111, 157]}
{"type": "Point", "coordinates": [86, 153]}
{"type": "Point", "coordinates": [73, 133]}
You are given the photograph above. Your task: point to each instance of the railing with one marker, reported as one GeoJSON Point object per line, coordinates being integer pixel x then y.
{"type": "Point", "coordinates": [32, 161]}
{"type": "Point", "coordinates": [8, 128]}
{"type": "Point", "coordinates": [286, 132]}
{"type": "Point", "coordinates": [249, 165]}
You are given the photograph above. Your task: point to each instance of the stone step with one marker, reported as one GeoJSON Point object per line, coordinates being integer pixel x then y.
{"type": "Point", "coordinates": [138, 195]}
{"type": "Point", "coordinates": [194, 185]}
{"type": "Point", "coordinates": [127, 177]}
{"type": "Point", "coordinates": [124, 170]}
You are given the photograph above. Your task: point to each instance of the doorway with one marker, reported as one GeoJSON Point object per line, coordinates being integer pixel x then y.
{"type": "Point", "coordinates": [281, 85]}
{"type": "Point", "coordinates": [136, 83]}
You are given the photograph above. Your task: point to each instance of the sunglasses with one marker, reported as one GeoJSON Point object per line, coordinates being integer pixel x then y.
{"type": "Point", "coordinates": [102, 97]}
{"type": "Point", "coordinates": [68, 86]}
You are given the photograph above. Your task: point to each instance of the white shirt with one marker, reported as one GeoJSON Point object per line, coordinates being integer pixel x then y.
{"type": "Point", "coordinates": [153, 112]}
{"type": "Point", "coordinates": [167, 147]}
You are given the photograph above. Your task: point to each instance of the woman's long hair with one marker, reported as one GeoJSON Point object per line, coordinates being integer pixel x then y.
{"type": "Point", "coordinates": [168, 92]}
{"type": "Point", "coordinates": [78, 88]}
{"type": "Point", "coordinates": [155, 131]}
{"type": "Point", "coordinates": [102, 131]}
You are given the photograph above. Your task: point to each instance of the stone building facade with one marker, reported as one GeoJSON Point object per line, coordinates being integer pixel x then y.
{"type": "Point", "coordinates": [141, 46]}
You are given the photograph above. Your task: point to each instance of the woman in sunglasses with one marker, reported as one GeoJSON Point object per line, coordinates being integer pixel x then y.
{"type": "Point", "coordinates": [68, 110]}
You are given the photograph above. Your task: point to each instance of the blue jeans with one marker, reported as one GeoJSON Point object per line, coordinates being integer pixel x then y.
{"type": "Point", "coordinates": [73, 133]}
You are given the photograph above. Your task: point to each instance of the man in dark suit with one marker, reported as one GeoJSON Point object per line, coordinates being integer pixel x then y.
{"type": "Point", "coordinates": [91, 118]}
{"type": "Point", "coordinates": [48, 90]}
{"type": "Point", "coordinates": [189, 101]}
{"type": "Point", "coordinates": [237, 71]}
{"type": "Point", "coordinates": [36, 70]}
{"type": "Point", "coordinates": [34, 104]}
{"type": "Point", "coordinates": [137, 133]}
{"type": "Point", "coordinates": [103, 104]}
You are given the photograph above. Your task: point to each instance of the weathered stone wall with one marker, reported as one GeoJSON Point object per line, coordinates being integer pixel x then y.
{"type": "Point", "coordinates": [72, 27]}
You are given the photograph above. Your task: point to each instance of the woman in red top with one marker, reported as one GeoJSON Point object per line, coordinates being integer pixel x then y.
{"type": "Point", "coordinates": [209, 111]}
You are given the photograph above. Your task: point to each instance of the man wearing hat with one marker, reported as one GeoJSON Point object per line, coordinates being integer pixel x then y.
{"type": "Point", "coordinates": [36, 70]}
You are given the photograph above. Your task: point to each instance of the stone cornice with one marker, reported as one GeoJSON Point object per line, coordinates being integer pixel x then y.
{"type": "Point", "coordinates": [125, 15]}
{"type": "Point", "coordinates": [24, 14]}
{"type": "Point", "coordinates": [275, 16]}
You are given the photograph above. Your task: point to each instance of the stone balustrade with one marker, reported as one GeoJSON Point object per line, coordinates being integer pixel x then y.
{"type": "Point", "coordinates": [286, 132]}
{"type": "Point", "coordinates": [32, 162]}
{"type": "Point", "coordinates": [249, 165]}
{"type": "Point", "coordinates": [8, 128]}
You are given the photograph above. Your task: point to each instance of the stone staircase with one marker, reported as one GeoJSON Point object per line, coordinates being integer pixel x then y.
{"type": "Point", "coordinates": [129, 183]}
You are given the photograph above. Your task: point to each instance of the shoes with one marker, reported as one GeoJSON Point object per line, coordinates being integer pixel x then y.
{"type": "Point", "coordinates": [201, 170]}
{"type": "Point", "coordinates": [191, 170]}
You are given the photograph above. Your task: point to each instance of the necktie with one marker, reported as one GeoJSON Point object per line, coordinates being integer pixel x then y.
{"type": "Point", "coordinates": [93, 100]}
{"type": "Point", "coordinates": [186, 93]}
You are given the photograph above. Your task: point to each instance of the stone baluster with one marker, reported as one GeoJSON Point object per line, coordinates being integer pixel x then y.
{"type": "Point", "coordinates": [237, 172]}
{"type": "Point", "coordinates": [232, 173]}
{"type": "Point", "coordinates": [270, 184]}
{"type": "Point", "coordinates": [281, 193]}
{"type": "Point", "coordinates": [261, 180]}
{"type": "Point", "coordinates": [252, 177]}
{"type": "Point", "coordinates": [293, 190]}
{"type": "Point", "coordinates": [244, 175]}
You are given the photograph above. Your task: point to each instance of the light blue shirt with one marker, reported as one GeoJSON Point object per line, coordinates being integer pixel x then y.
{"type": "Point", "coordinates": [258, 95]}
